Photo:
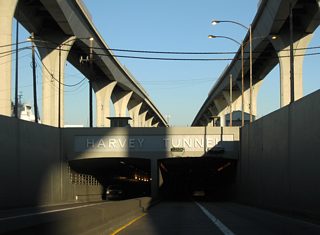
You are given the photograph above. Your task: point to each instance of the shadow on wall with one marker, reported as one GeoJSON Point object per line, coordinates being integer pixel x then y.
{"type": "Point", "coordinates": [279, 164]}
{"type": "Point", "coordinates": [28, 161]}
{"type": "Point", "coordinates": [33, 167]}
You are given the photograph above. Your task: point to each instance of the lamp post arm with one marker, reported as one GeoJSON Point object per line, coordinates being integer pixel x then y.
{"type": "Point", "coordinates": [229, 38]}
{"type": "Point", "coordinates": [230, 21]}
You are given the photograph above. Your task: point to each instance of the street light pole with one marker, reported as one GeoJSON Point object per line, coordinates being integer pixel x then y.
{"type": "Point", "coordinates": [242, 73]}
{"type": "Point", "coordinates": [242, 86]}
{"type": "Point", "coordinates": [214, 22]}
{"type": "Point", "coordinates": [250, 42]}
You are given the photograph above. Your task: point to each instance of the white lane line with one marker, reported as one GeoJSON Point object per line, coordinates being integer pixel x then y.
{"type": "Point", "coordinates": [48, 212]}
{"type": "Point", "coordinates": [218, 223]}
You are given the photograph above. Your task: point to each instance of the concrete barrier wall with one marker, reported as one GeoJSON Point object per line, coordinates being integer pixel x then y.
{"type": "Point", "coordinates": [280, 159]}
{"type": "Point", "coordinates": [32, 170]}
{"type": "Point", "coordinates": [100, 218]}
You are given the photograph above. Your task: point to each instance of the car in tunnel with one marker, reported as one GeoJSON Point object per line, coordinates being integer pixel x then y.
{"type": "Point", "coordinates": [115, 192]}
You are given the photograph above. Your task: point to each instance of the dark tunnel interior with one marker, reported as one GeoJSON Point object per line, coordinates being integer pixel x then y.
{"type": "Point", "coordinates": [197, 178]}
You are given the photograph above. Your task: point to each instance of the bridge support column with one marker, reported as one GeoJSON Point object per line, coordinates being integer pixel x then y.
{"type": "Point", "coordinates": [142, 118]}
{"type": "Point", "coordinates": [134, 109]}
{"type": "Point", "coordinates": [213, 111]}
{"type": "Point", "coordinates": [207, 119]}
{"type": "Point", "coordinates": [7, 9]}
{"type": "Point", "coordinates": [255, 90]}
{"type": "Point", "coordinates": [236, 106]}
{"type": "Point", "coordinates": [282, 45]}
{"type": "Point", "coordinates": [53, 61]}
{"type": "Point", "coordinates": [149, 122]}
{"type": "Point", "coordinates": [156, 124]}
{"type": "Point", "coordinates": [222, 107]}
{"type": "Point", "coordinates": [120, 101]}
{"type": "Point", "coordinates": [103, 91]}
{"type": "Point", "coordinates": [228, 110]}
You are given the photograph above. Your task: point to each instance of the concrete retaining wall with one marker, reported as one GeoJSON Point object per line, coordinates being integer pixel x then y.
{"type": "Point", "coordinates": [280, 159]}
{"type": "Point", "coordinates": [101, 218]}
{"type": "Point", "coordinates": [32, 170]}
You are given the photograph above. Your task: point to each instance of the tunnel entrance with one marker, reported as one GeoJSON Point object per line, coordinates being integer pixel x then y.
{"type": "Point", "coordinates": [130, 175]}
{"type": "Point", "coordinates": [200, 178]}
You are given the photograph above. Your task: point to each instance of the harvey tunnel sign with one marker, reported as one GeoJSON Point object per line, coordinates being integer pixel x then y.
{"type": "Point", "coordinates": [150, 143]}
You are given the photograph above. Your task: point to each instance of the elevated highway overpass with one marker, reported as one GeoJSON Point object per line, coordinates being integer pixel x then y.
{"type": "Point", "coordinates": [64, 31]}
{"type": "Point", "coordinates": [276, 168]}
{"type": "Point", "coordinates": [271, 21]}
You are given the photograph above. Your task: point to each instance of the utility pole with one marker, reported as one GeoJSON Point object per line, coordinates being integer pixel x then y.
{"type": "Point", "coordinates": [291, 56]}
{"type": "Point", "coordinates": [90, 82]}
{"type": "Point", "coordinates": [250, 41]}
{"type": "Point", "coordinates": [59, 95]}
{"type": "Point", "coordinates": [230, 101]}
{"type": "Point", "coordinates": [34, 80]}
{"type": "Point", "coordinates": [17, 75]}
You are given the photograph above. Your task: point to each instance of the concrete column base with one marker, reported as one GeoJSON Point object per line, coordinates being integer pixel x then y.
{"type": "Point", "coordinates": [282, 44]}
{"type": "Point", "coordinates": [103, 91]}
{"type": "Point", "coordinates": [134, 109]}
{"type": "Point", "coordinates": [7, 9]}
{"type": "Point", "coordinates": [54, 53]}
{"type": "Point", "coordinates": [120, 101]}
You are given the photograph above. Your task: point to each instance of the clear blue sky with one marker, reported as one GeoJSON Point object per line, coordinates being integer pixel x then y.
{"type": "Point", "coordinates": [177, 88]}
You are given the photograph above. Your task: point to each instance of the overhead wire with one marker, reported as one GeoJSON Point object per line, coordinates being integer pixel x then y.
{"type": "Point", "coordinates": [13, 44]}
{"type": "Point", "coordinates": [10, 52]}
{"type": "Point", "coordinates": [53, 77]}
{"type": "Point", "coordinates": [189, 59]}
{"type": "Point", "coordinates": [158, 52]}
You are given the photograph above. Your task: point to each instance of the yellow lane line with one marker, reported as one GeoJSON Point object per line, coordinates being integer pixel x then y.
{"type": "Point", "coordinates": [127, 225]}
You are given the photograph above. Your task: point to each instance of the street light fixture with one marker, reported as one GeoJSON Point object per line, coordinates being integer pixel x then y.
{"type": "Point", "coordinates": [242, 73]}
{"type": "Point", "coordinates": [214, 22]}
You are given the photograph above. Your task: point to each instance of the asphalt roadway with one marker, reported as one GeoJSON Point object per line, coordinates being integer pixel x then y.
{"type": "Point", "coordinates": [214, 218]}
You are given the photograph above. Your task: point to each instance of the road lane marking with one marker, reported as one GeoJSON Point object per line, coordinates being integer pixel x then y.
{"type": "Point", "coordinates": [224, 229]}
{"type": "Point", "coordinates": [127, 225]}
{"type": "Point", "coordinates": [48, 212]}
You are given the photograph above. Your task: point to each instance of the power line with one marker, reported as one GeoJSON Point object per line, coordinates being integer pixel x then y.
{"type": "Point", "coordinates": [184, 59]}
{"type": "Point", "coordinates": [153, 52]}
{"type": "Point", "coordinates": [67, 85]}
{"type": "Point", "coordinates": [158, 52]}
{"type": "Point", "coordinates": [13, 44]}
{"type": "Point", "coordinates": [11, 52]}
